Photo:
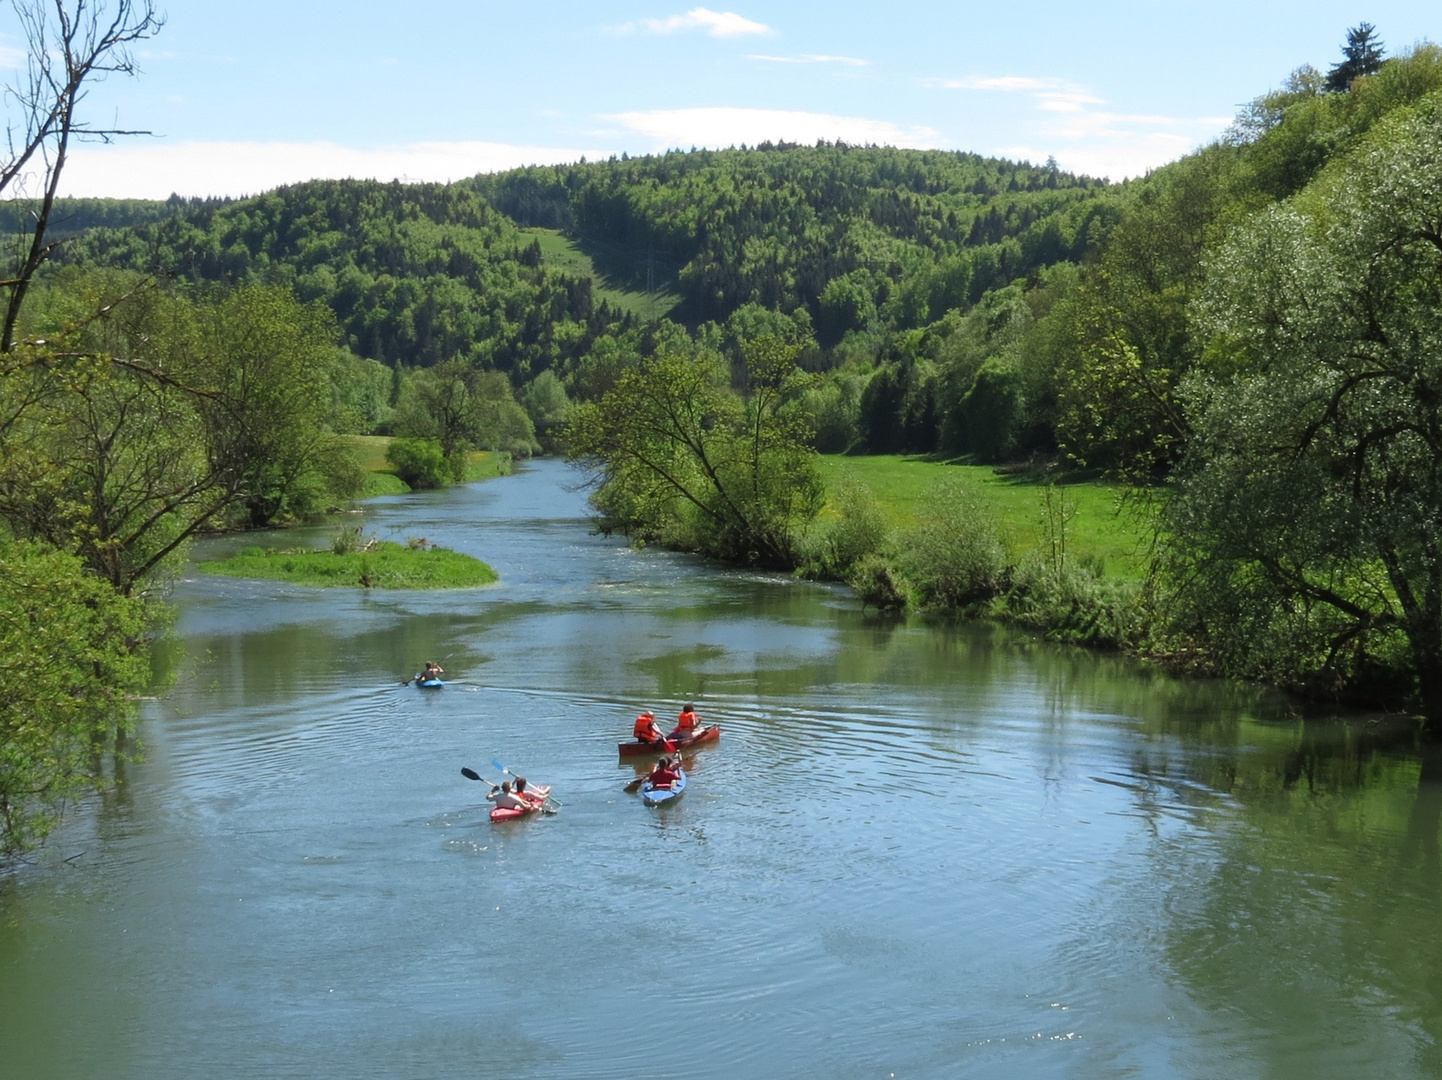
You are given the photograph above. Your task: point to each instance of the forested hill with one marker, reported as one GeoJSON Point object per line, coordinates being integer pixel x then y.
{"type": "Point", "coordinates": [830, 227]}
{"type": "Point", "coordinates": [834, 236]}
{"type": "Point", "coordinates": [75, 216]}
{"type": "Point", "coordinates": [415, 273]}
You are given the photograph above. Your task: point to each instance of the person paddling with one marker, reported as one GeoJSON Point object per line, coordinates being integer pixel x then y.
{"type": "Point", "coordinates": [505, 799]}
{"type": "Point", "coordinates": [432, 672]}
{"type": "Point", "coordinates": [534, 796]}
{"type": "Point", "coordinates": [687, 725]}
{"type": "Point", "coordinates": [646, 730]}
{"type": "Point", "coordinates": [664, 774]}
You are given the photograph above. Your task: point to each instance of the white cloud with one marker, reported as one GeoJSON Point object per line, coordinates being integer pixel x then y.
{"type": "Point", "coordinates": [812, 58]}
{"type": "Point", "coordinates": [720, 127]}
{"type": "Point", "coordinates": [1094, 142]}
{"type": "Point", "coordinates": [719, 24]}
{"type": "Point", "coordinates": [153, 171]}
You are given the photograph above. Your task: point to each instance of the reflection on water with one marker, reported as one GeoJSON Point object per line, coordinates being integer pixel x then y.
{"type": "Point", "coordinates": [920, 849]}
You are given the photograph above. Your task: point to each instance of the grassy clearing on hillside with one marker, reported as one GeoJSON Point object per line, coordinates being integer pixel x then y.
{"type": "Point", "coordinates": [384, 566]}
{"type": "Point", "coordinates": [1099, 529]}
{"type": "Point", "coordinates": [380, 473]}
{"type": "Point", "coordinates": [619, 276]}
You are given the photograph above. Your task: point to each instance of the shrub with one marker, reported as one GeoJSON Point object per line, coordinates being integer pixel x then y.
{"type": "Point", "coordinates": [833, 550]}
{"type": "Point", "coordinates": [419, 462]}
{"type": "Point", "coordinates": [954, 558]}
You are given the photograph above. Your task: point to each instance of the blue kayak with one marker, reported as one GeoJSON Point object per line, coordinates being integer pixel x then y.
{"type": "Point", "coordinates": [429, 684]}
{"type": "Point", "coordinates": [656, 796]}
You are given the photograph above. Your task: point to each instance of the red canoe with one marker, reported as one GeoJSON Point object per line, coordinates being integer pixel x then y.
{"type": "Point", "coordinates": [709, 734]}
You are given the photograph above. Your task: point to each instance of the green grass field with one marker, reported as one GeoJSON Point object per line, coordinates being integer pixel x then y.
{"type": "Point", "coordinates": [380, 474]}
{"type": "Point", "coordinates": [386, 566]}
{"type": "Point", "coordinates": [1099, 529]}
{"type": "Point", "coordinates": [619, 276]}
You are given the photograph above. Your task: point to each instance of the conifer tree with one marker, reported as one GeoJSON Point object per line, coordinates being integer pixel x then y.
{"type": "Point", "coordinates": [1362, 55]}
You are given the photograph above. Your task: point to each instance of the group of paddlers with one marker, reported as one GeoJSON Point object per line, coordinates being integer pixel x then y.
{"type": "Point", "coordinates": [668, 768]}
{"type": "Point", "coordinates": [516, 796]}
{"type": "Point", "coordinates": [647, 731]}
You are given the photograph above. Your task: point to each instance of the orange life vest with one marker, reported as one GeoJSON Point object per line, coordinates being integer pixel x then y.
{"type": "Point", "coordinates": [687, 721]}
{"type": "Point", "coordinates": [645, 730]}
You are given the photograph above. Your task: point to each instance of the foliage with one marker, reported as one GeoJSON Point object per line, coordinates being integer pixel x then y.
{"type": "Point", "coordinates": [414, 274]}
{"type": "Point", "coordinates": [777, 225]}
{"type": "Point", "coordinates": [954, 557]}
{"type": "Point", "coordinates": [421, 463]}
{"type": "Point", "coordinates": [681, 459]}
{"type": "Point", "coordinates": [1306, 536]}
{"type": "Point", "coordinates": [69, 671]}
{"type": "Point", "coordinates": [376, 565]}
{"type": "Point", "coordinates": [461, 408]}
{"type": "Point", "coordinates": [1362, 55]}
{"type": "Point", "coordinates": [858, 530]}
{"type": "Point", "coordinates": [70, 45]}
{"type": "Point", "coordinates": [546, 403]}
{"type": "Point", "coordinates": [141, 416]}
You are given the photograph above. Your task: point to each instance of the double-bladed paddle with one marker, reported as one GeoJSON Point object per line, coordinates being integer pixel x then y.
{"type": "Point", "coordinates": [549, 805]}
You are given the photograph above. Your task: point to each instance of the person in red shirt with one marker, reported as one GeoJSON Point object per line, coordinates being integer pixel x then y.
{"type": "Point", "coordinates": [687, 725]}
{"type": "Point", "coordinates": [664, 774]}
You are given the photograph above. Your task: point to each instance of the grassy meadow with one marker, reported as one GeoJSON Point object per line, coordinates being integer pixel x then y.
{"type": "Point", "coordinates": [380, 473]}
{"type": "Point", "coordinates": [1099, 527]}
{"type": "Point", "coordinates": [618, 276]}
{"type": "Point", "coordinates": [383, 566]}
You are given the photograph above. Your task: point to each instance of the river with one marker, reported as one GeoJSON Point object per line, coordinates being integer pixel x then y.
{"type": "Point", "coordinates": [919, 850]}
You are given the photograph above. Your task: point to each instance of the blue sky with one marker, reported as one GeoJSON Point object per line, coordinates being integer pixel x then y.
{"type": "Point", "coordinates": [244, 96]}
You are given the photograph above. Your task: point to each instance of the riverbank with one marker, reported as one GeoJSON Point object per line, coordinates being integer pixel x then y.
{"type": "Point", "coordinates": [377, 565]}
{"type": "Point", "coordinates": [1086, 516]}
{"type": "Point", "coordinates": [380, 474]}
{"type": "Point", "coordinates": [1064, 557]}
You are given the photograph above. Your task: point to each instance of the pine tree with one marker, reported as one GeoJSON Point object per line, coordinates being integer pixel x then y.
{"type": "Point", "coordinates": [1362, 55]}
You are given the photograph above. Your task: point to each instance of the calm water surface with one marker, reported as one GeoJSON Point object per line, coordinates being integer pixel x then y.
{"type": "Point", "coordinates": [919, 850]}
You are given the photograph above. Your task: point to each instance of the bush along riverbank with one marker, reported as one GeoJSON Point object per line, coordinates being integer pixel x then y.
{"type": "Point", "coordinates": [958, 556]}
{"type": "Point", "coordinates": [356, 562]}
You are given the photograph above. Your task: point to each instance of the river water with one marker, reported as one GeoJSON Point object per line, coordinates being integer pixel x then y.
{"type": "Point", "coordinates": [919, 850]}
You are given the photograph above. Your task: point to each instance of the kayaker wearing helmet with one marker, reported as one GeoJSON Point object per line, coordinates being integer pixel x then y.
{"type": "Point", "coordinates": [645, 729]}
{"type": "Point", "coordinates": [687, 724]}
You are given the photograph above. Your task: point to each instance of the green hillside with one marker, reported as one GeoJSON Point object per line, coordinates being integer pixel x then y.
{"type": "Point", "coordinates": [628, 283]}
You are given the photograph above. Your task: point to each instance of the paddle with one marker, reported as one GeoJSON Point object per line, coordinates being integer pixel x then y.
{"type": "Point", "coordinates": [471, 774]}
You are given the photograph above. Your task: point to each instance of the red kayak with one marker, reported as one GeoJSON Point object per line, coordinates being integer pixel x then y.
{"type": "Point", "coordinates": [708, 734]}
{"type": "Point", "coordinates": [508, 813]}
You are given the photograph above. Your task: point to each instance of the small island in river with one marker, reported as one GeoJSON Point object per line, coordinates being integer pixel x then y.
{"type": "Point", "coordinates": [380, 565]}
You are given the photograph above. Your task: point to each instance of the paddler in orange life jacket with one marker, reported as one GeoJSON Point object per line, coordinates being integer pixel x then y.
{"type": "Point", "coordinates": [687, 725]}
{"type": "Point", "coordinates": [645, 729]}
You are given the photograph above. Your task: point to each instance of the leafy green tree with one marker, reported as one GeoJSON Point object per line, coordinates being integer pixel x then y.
{"type": "Point", "coordinates": [464, 408]}
{"type": "Point", "coordinates": [421, 463]}
{"type": "Point", "coordinates": [682, 459]}
{"type": "Point", "coordinates": [546, 403]}
{"type": "Point", "coordinates": [1307, 531]}
{"type": "Point", "coordinates": [69, 670]}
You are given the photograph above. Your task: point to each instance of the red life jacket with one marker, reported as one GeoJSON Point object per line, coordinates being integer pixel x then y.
{"type": "Point", "coordinates": [687, 721]}
{"type": "Point", "coordinates": [663, 778]}
{"type": "Point", "coordinates": [645, 730]}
